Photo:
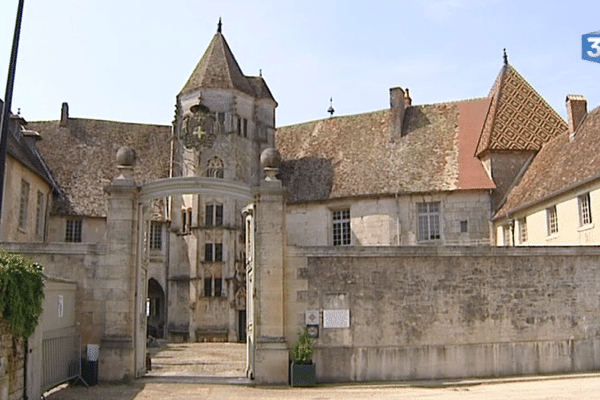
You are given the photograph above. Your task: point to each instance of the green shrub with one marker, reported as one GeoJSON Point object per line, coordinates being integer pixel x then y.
{"type": "Point", "coordinates": [302, 350]}
{"type": "Point", "coordinates": [21, 292]}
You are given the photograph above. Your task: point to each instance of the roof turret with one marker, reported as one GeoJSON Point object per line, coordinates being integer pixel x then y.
{"type": "Point", "coordinates": [219, 69]}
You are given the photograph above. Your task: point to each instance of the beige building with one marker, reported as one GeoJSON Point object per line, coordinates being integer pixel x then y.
{"type": "Point", "coordinates": [28, 187]}
{"type": "Point", "coordinates": [555, 199]}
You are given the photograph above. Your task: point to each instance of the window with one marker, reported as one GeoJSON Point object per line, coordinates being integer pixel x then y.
{"type": "Point", "coordinates": [213, 252]}
{"type": "Point", "coordinates": [551, 220]}
{"type": "Point", "coordinates": [585, 211]}
{"type": "Point", "coordinates": [239, 126]}
{"type": "Point", "coordinates": [186, 221]}
{"type": "Point", "coordinates": [39, 215]}
{"type": "Point", "coordinates": [523, 230]}
{"type": "Point", "coordinates": [214, 168]}
{"type": "Point", "coordinates": [155, 235]}
{"type": "Point", "coordinates": [245, 127]}
{"type": "Point", "coordinates": [218, 286]}
{"type": "Point", "coordinates": [214, 215]}
{"type": "Point", "coordinates": [429, 221]}
{"type": "Point", "coordinates": [220, 122]}
{"type": "Point", "coordinates": [341, 227]}
{"type": "Point", "coordinates": [464, 227]}
{"type": "Point", "coordinates": [208, 287]}
{"type": "Point", "coordinates": [24, 204]}
{"type": "Point", "coordinates": [73, 231]}
{"type": "Point", "coordinates": [507, 235]}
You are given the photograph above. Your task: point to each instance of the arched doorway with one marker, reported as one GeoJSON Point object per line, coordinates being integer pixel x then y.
{"type": "Point", "coordinates": [155, 310]}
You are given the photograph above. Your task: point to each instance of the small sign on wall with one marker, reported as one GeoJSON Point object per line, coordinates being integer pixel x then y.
{"type": "Point", "coordinates": [336, 318]}
{"type": "Point", "coordinates": [312, 317]}
{"type": "Point", "coordinates": [61, 304]}
{"type": "Point", "coordinates": [313, 331]}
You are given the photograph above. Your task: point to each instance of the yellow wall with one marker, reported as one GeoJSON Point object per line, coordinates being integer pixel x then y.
{"type": "Point", "coordinates": [569, 230]}
{"type": "Point", "coordinates": [10, 231]}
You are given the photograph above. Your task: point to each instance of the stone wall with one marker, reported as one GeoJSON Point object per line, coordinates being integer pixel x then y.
{"type": "Point", "coordinates": [12, 357]}
{"type": "Point", "coordinates": [447, 312]}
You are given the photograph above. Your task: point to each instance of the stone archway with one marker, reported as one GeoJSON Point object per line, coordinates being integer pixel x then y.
{"type": "Point", "coordinates": [155, 309]}
{"type": "Point", "coordinates": [175, 282]}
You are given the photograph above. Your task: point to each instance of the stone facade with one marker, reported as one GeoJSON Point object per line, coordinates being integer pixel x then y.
{"type": "Point", "coordinates": [393, 220]}
{"type": "Point", "coordinates": [224, 121]}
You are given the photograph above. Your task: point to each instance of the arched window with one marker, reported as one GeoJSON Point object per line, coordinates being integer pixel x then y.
{"type": "Point", "coordinates": [214, 169]}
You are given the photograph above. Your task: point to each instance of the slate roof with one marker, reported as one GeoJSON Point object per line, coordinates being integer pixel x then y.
{"type": "Point", "coordinates": [18, 147]}
{"type": "Point", "coordinates": [218, 69]}
{"type": "Point", "coordinates": [82, 158]}
{"type": "Point", "coordinates": [560, 165]}
{"type": "Point", "coordinates": [518, 118]}
{"type": "Point", "coordinates": [354, 156]}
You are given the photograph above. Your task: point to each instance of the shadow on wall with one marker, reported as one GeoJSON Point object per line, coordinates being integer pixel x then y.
{"type": "Point", "coordinates": [307, 178]}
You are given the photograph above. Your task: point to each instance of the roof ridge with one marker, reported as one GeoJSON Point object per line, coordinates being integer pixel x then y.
{"type": "Point", "coordinates": [100, 120]}
{"type": "Point", "coordinates": [454, 102]}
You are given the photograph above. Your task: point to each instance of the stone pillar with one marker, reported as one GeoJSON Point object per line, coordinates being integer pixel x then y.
{"type": "Point", "coordinates": [117, 348]}
{"type": "Point", "coordinates": [272, 358]}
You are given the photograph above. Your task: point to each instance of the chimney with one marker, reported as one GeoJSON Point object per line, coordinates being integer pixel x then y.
{"type": "Point", "coordinates": [64, 115]}
{"type": "Point", "coordinates": [407, 99]}
{"type": "Point", "coordinates": [397, 108]}
{"type": "Point", "coordinates": [576, 111]}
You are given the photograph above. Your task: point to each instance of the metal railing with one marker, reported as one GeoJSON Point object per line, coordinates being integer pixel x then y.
{"type": "Point", "coordinates": [61, 358]}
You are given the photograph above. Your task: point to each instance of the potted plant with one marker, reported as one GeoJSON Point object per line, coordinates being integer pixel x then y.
{"type": "Point", "coordinates": [302, 370]}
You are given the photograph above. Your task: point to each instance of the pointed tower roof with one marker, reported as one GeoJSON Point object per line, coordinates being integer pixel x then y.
{"type": "Point", "coordinates": [518, 117]}
{"type": "Point", "coordinates": [219, 69]}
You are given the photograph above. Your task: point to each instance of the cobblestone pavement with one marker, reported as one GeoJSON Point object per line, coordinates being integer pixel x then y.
{"type": "Point", "coordinates": [206, 359]}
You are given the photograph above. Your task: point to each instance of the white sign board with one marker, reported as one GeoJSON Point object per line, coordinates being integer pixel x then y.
{"type": "Point", "coordinates": [61, 306]}
{"type": "Point", "coordinates": [336, 318]}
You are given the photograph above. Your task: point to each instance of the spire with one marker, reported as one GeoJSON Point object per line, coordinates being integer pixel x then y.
{"type": "Point", "coordinates": [218, 68]}
{"type": "Point", "coordinates": [518, 119]}
{"type": "Point", "coordinates": [330, 110]}
{"type": "Point", "coordinates": [505, 58]}
{"type": "Point", "coordinates": [219, 26]}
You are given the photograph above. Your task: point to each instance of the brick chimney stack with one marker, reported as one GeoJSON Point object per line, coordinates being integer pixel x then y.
{"type": "Point", "coordinates": [397, 108]}
{"type": "Point", "coordinates": [576, 111]}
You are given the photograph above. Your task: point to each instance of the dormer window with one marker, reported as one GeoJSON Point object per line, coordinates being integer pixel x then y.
{"type": "Point", "coordinates": [214, 169]}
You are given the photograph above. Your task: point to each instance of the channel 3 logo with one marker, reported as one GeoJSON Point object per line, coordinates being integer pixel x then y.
{"type": "Point", "coordinates": [590, 46]}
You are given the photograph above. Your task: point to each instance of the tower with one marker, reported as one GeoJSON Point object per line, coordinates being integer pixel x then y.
{"type": "Point", "coordinates": [224, 120]}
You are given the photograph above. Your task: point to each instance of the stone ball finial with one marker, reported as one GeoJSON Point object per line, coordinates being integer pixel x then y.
{"type": "Point", "coordinates": [126, 156]}
{"type": "Point", "coordinates": [270, 158]}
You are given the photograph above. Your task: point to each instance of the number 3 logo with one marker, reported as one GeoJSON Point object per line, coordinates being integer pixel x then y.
{"type": "Point", "coordinates": [595, 45]}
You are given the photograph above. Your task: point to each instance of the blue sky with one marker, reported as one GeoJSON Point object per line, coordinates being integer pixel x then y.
{"type": "Point", "coordinates": [127, 60]}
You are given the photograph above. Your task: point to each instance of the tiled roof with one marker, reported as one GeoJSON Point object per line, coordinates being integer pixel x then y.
{"type": "Point", "coordinates": [82, 158]}
{"type": "Point", "coordinates": [20, 149]}
{"type": "Point", "coordinates": [561, 164]}
{"type": "Point", "coordinates": [219, 69]}
{"type": "Point", "coordinates": [353, 155]}
{"type": "Point", "coordinates": [518, 118]}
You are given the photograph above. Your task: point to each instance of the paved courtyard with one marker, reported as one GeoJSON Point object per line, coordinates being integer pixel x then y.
{"type": "Point", "coordinates": [205, 359]}
{"type": "Point", "coordinates": [555, 389]}
{"type": "Point", "coordinates": [199, 371]}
